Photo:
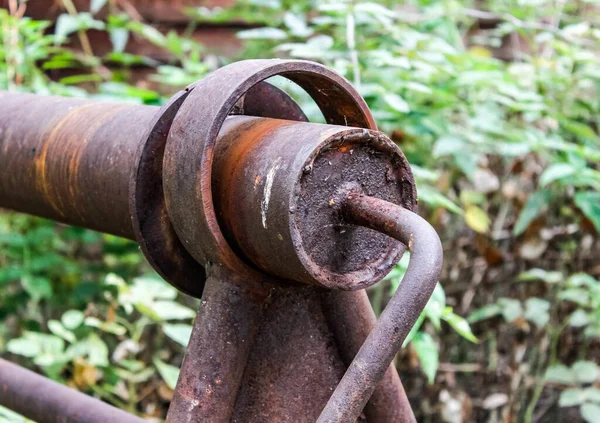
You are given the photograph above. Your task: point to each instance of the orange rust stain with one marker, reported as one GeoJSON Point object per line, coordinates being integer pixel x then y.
{"type": "Point", "coordinates": [60, 156]}
{"type": "Point", "coordinates": [245, 138]}
{"type": "Point", "coordinates": [97, 121]}
{"type": "Point", "coordinates": [41, 173]}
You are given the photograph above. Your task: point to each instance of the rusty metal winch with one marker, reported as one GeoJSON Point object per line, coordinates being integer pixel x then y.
{"type": "Point", "coordinates": [278, 224]}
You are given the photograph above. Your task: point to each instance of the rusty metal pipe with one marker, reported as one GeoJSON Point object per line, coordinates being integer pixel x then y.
{"type": "Point", "coordinates": [99, 165]}
{"type": "Point", "coordinates": [401, 313]}
{"type": "Point", "coordinates": [217, 354]}
{"type": "Point", "coordinates": [46, 401]}
{"type": "Point", "coordinates": [70, 159]}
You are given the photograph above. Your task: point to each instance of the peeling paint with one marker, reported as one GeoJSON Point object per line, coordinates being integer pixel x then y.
{"type": "Point", "coordinates": [264, 204]}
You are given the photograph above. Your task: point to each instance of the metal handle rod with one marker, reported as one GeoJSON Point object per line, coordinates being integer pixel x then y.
{"type": "Point", "coordinates": [46, 401]}
{"type": "Point", "coordinates": [401, 313]}
{"type": "Point", "coordinates": [352, 319]}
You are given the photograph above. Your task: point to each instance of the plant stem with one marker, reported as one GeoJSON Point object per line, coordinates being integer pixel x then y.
{"type": "Point", "coordinates": [83, 38]}
{"type": "Point", "coordinates": [351, 43]}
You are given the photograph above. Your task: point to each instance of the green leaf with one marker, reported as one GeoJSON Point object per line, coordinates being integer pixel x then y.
{"type": "Point", "coordinates": [13, 240]}
{"type": "Point", "coordinates": [579, 129]}
{"type": "Point", "coordinates": [109, 327]}
{"type": "Point", "coordinates": [169, 373]}
{"type": "Point", "coordinates": [262, 34]}
{"type": "Point", "coordinates": [427, 351]}
{"type": "Point", "coordinates": [150, 288]}
{"type": "Point", "coordinates": [590, 412]}
{"type": "Point", "coordinates": [448, 145]}
{"type": "Point", "coordinates": [586, 371]}
{"type": "Point", "coordinates": [396, 102]}
{"type": "Point", "coordinates": [578, 396]}
{"type": "Point", "coordinates": [571, 397]}
{"type": "Point", "coordinates": [575, 295]}
{"type": "Point", "coordinates": [72, 319]}
{"type": "Point", "coordinates": [178, 332]}
{"type": "Point", "coordinates": [119, 38]}
{"type": "Point", "coordinates": [59, 330]}
{"type": "Point", "coordinates": [43, 348]}
{"type": "Point", "coordinates": [556, 172]}
{"type": "Point", "coordinates": [148, 32]}
{"type": "Point", "coordinates": [559, 373]}
{"type": "Point", "coordinates": [23, 346]}
{"type": "Point", "coordinates": [536, 311]}
{"type": "Point", "coordinates": [459, 324]}
{"type": "Point", "coordinates": [582, 279]}
{"type": "Point", "coordinates": [485, 312]}
{"type": "Point", "coordinates": [414, 330]}
{"type": "Point", "coordinates": [434, 198]}
{"type": "Point", "coordinates": [592, 394]}
{"type": "Point", "coordinates": [37, 287]}
{"type": "Point", "coordinates": [579, 318]}
{"type": "Point", "coordinates": [533, 208]}
{"type": "Point", "coordinates": [97, 351]}
{"type": "Point", "coordinates": [541, 274]}
{"type": "Point", "coordinates": [589, 204]}
{"type": "Point", "coordinates": [78, 79]}
{"type": "Point", "coordinates": [435, 306]}
{"type": "Point", "coordinates": [121, 90]}
{"type": "Point", "coordinates": [511, 309]}
{"type": "Point", "coordinates": [67, 24]}
{"type": "Point", "coordinates": [297, 24]}
{"type": "Point", "coordinates": [138, 376]}
{"type": "Point", "coordinates": [170, 310]}
{"type": "Point", "coordinates": [96, 5]}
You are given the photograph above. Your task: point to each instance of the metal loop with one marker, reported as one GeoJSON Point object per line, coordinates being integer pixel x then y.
{"type": "Point", "coordinates": [152, 226]}
{"type": "Point", "coordinates": [187, 167]}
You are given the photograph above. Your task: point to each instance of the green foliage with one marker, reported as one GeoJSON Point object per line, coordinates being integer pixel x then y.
{"type": "Point", "coordinates": [460, 103]}
{"type": "Point", "coordinates": [581, 294]}
{"type": "Point", "coordinates": [581, 374]}
{"type": "Point", "coordinates": [435, 312]}
{"type": "Point", "coordinates": [505, 151]}
{"type": "Point", "coordinates": [80, 344]}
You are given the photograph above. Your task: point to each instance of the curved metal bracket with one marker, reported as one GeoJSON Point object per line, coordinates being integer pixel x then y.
{"type": "Point", "coordinates": [401, 313]}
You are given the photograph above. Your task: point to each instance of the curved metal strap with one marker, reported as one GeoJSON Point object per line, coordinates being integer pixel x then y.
{"type": "Point", "coordinates": [151, 223]}
{"type": "Point", "coordinates": [401, 313]}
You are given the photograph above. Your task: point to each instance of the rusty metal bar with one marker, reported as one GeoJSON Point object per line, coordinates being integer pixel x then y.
{"type": "Point", "coordinates": [403, 310]}
{"type": "Point", "coordinates": [70, 159]}
{"type": "Point", "coordinates": [351, 318]}
{"type": "Point", "coordinates": [217, 354]}
{"type": "Point", "coordinates": [46, 401]}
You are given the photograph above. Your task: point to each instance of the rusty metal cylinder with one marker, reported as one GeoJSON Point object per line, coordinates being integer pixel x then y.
{"type": "Point", "coordinates": [277, 183]}
{"type": "Point", "coordinates": [70, 159]}
{"type": "Point", "coordinates": [46, 401]}
{"type": "Point", "coordinates": [278, 186]}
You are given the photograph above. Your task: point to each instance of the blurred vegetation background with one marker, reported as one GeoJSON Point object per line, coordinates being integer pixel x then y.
{"type": "Point", "coordinates": [495, 104]}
